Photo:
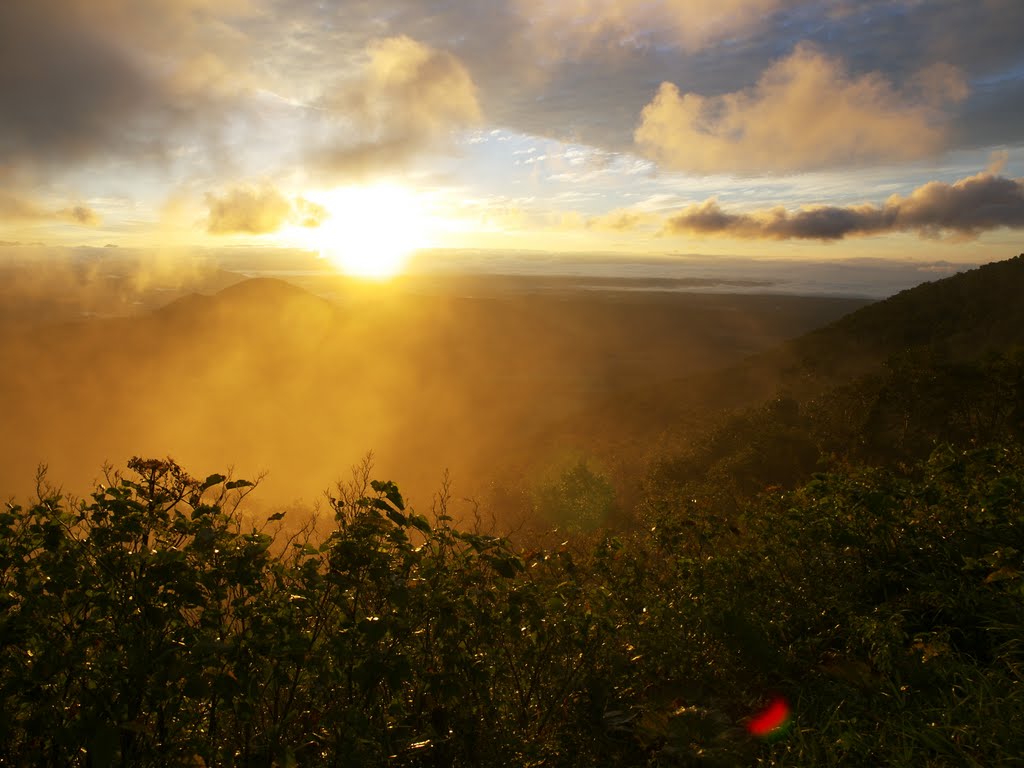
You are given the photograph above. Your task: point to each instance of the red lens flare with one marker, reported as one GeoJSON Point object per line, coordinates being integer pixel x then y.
{"type": "Point", "coordinates": [772, 721]}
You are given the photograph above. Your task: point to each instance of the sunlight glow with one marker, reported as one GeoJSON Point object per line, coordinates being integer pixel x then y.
{"type": "Point", "coordinates": [372, 230]}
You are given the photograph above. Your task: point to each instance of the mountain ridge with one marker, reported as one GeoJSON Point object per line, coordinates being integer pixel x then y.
{"type": "Point", "coordinates": [939, 363]}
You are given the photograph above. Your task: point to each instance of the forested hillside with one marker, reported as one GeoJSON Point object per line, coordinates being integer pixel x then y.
{"type": "Point", "coordinates": [939, 364]}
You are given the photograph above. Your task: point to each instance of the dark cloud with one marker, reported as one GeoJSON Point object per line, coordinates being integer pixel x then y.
{"type": "Point", "coordinates": [97, 79]}
{"type": "Point", "coordinates": [968, 207]}
{"type": "Point", "coordinates": [66, 92]}
{"type": "Point", "coordinates": [983, 37]}
{"type": "Point", "coordinates": [965, 208]}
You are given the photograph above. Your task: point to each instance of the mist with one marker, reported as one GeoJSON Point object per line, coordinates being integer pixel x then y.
{"type": "Point", "coordinates": [499, 380]}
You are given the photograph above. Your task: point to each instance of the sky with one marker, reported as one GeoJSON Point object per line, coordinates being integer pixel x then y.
{"type": "Point", "coordinates": [364, 130]}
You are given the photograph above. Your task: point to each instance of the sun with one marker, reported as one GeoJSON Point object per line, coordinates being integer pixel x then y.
{"type": "Point", "coordinates": [372, 230]}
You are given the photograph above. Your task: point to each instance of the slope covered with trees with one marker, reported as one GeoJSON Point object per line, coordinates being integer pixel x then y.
{"type": "Point", "coordinates": [942, 363]}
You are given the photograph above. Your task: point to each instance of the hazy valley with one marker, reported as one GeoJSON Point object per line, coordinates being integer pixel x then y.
{"type": "Point", "coordinates": [500, 380]}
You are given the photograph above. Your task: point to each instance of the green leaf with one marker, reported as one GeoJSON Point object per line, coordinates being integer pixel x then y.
{"type": "Point", "coordinates": [372, 628]}
{"type": "Point", "coordinates": [239, 484]}
{"type": "Point", "coordinates": [419, 522]}
{"type": "Point", "coordinates": [211, 481]}
{"type": "Point", "coordinates": [506, 566]}
{"type": "Point", "coordinates": [1003, 574]}
{"type": "Point", "coordinates": [275, 516]}
{"type": "Point", "coordinates": [390, 492]}
{"type": "Point", "coordinates": [204, 536]}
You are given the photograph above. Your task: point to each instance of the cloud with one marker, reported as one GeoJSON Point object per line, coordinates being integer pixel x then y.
{"type": "Point", "coordinates": [806, 112]}
{"type": "Point", "coordinates": [259, 210]}
{"type": "Point", "coordinates": [14, 207]}
{"type": "Point", "coordinates": [621, 220]}
{"type": "Point", "coordinates": [252, 210]}
{"type": "Point", "coordinates": [80, 214]}
{"type": "Point", "coordinates": [308, 214]}
{"type": "Point", "coordinates": [66, 91]}
{"type": "Point", "coordinates": [968, 207]}
{"type": "Point", "coordinates": [997, 162]}
{"type": "Point", "coordinates": [98, 79]}
{"type": "Point", "coordinates": [409, 100]}
{"type": "Point", "coordinates": [570, 28]}
{"type": "Point", "coordinates": [583, 70]}
{"type": "Point", "coordinates": [963, 209]}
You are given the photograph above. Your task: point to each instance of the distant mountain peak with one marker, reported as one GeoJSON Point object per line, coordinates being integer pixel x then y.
{"type": "Point", "coordinates": [268, 289]}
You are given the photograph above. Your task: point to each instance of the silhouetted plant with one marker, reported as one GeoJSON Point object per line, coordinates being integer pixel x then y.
{"type": "Point", "coordinates": [156, 624]}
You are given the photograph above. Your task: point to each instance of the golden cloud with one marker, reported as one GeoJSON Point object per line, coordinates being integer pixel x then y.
{"type": "Point", "coordinates": [806, 112]}
{"type": "Point", "coordinates": [14, 207]}
{"type": "Point", "coordinates": [308, 214]}
{"type": "Point", "coordinates": [414, 83]}
{"type": "Point", "coordinates": [259, 210]}
{"type": "Point", "coordinates": [80, 214]}
{"type": "Point", "coordinates": [410, 99]}
{"type": "Point", "coordinates": [621, 220]}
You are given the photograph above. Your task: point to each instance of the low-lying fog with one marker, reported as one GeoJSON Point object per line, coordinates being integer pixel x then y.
{"type": "Point", "coordinates": [501, 379]}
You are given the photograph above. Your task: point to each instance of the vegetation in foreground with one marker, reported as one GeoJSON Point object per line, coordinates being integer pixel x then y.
{"type": "Point", "coordinates": [150, 625]}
